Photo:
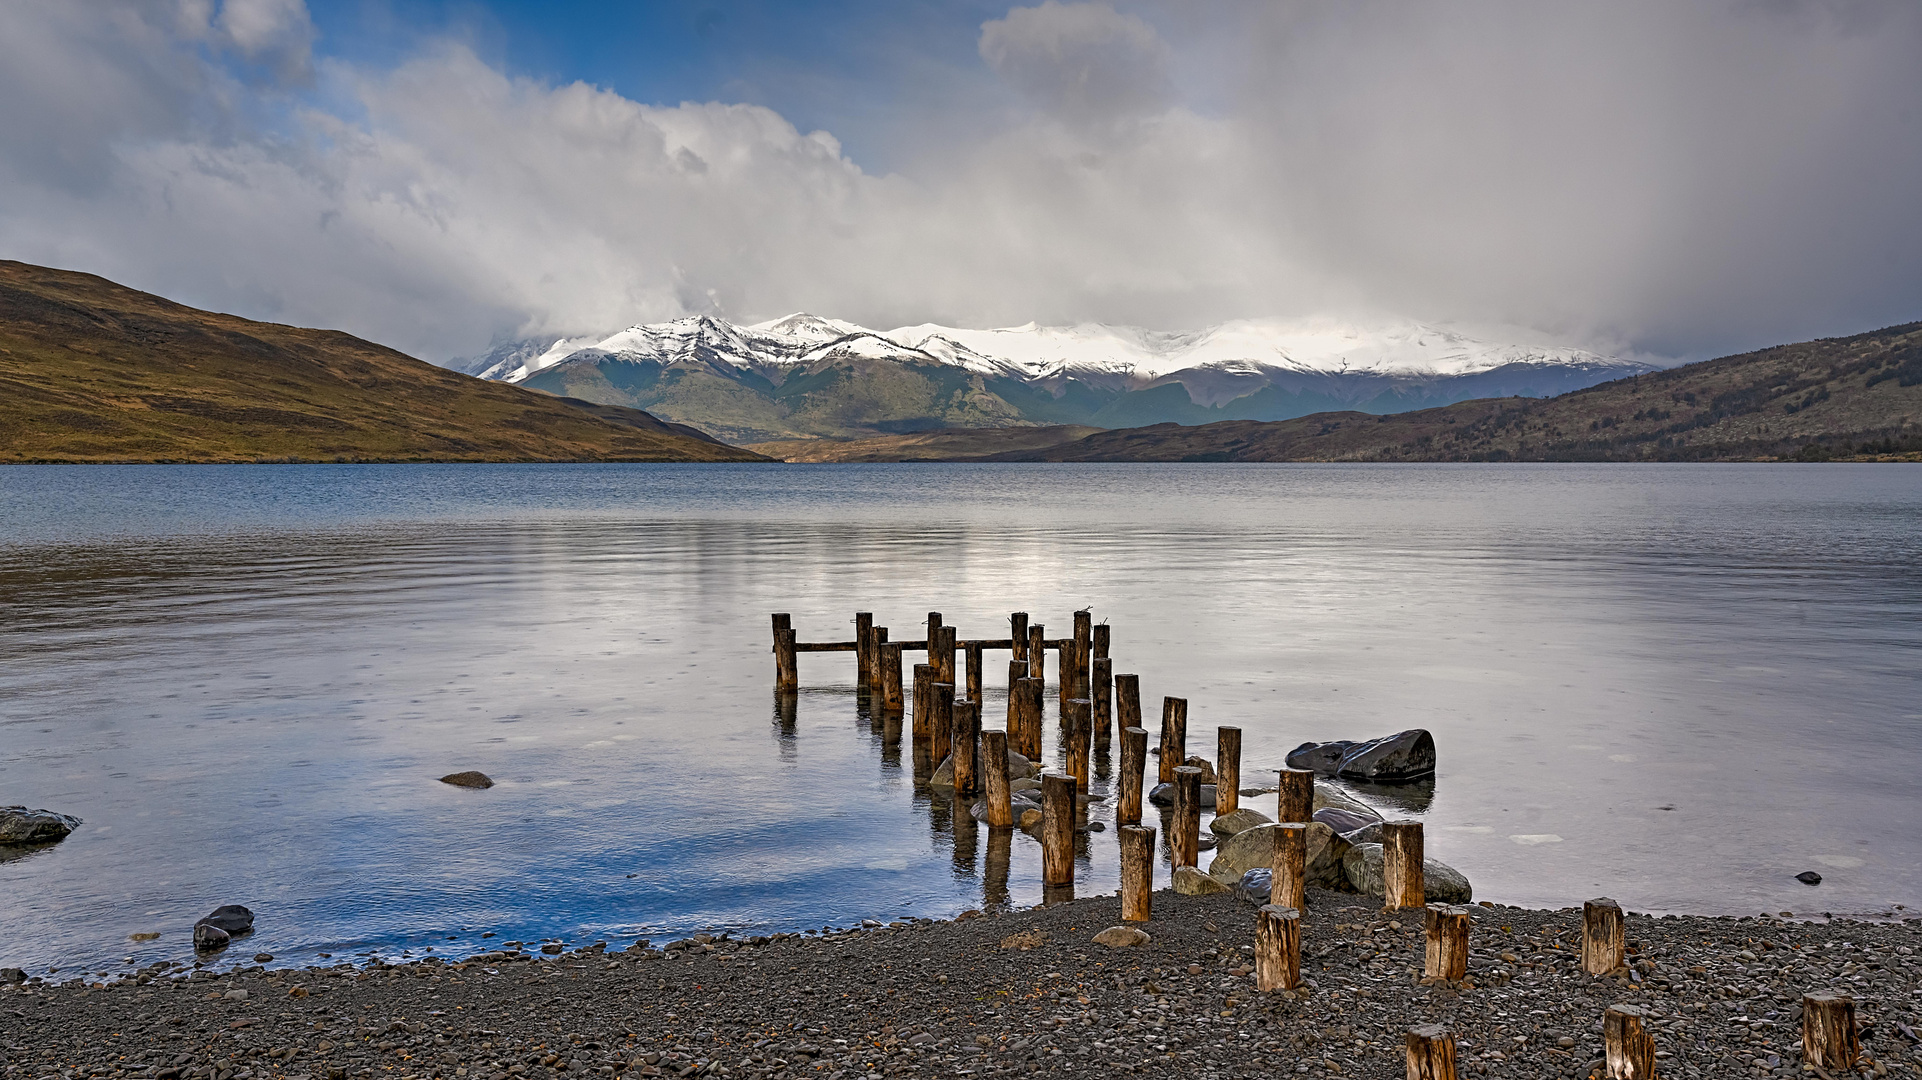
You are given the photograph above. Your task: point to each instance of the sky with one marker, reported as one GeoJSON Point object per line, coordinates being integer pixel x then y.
{"type": "Point", "coordinates": [1652, 177]}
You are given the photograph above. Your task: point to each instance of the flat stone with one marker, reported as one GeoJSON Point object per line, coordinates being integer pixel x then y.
{"type": "Point", "coordinates": [469, 778]}
{"type": "Point", "coordinates": [19, 825]}
{"type": "Point", "coordinates": [1122, 937]}
{"type": "Point", "coordinates": [1189, 881]}
{"type": "Point", "coordinates": [1240, 821]}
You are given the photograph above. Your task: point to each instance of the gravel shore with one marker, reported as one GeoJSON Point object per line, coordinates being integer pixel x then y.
{"type": "Point", "coordinates": [1021, 992]}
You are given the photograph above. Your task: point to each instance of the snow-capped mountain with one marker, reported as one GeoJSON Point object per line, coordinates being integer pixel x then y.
{"type": "Point", "coordinates": [804, 374]}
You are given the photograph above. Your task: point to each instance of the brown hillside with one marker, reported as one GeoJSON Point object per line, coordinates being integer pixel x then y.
{"type": "Point", "coordinates": [946, 444]}
{"type": "Point", "coordinates": [94, 371]}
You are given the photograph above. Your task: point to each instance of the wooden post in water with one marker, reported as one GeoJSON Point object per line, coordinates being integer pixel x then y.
{"type": "Point", "coordinates": [1134, 760]}
{"type": "Point", "coordinates": [1137, 872]}
{"type": "Point", "coordinates": [1628, 1050]}
{"type": "Point", "coordinates": [946, 656]}
{"type": "Point", "coordinates": [1277, 948]}
{"type": "Point", "coordinates": [934, 631]}
{"type": "Point", "coordinates": [1296, 799]}
{"type": "Point", "coordinates": [1127, 700]}
{"type": "Point", "coordinates": [1187, 824]}
{"type": "Point", "coordinates": [1828, 1031]}
{"type": "Point", "coordinates": [1083, 643]}
{"type": "Point", "coordinates": [1029, 737]}
{"type": "Point", "coordinates": [1604, 940]}
{"type": "Point", "coordinates": [1037, 652]}
{"type": "Point", "coordinates": [864, 670]}
{"type": "Point", "coordinates": [1018, 635]}
{"type": "Point", "coordinates": [974, 671]}
{"type": "Point", "coordinates": [923, 702]}
{"type": "Point", "coordinates": [1288, 884]}
{"type": "Point", "coordinates": [967, 721]}
{"type": "Point", "coordinates": [1447, 933]}
{"type": "Point", "coordinates": [1017, 670]}
{"type": "Point", "coordinates": [1102, 697]}
{"type": "Point", "coordinates": [1401, 859]}
{"type": "Point", "coordinates": [994, 769]}
{"type": "Point", "coordinates": [1100, 646]}
{"type": "Point", "coordinates": [787, 672]}
{"type": "Point", "coordinates": [1228, 772]}
{"type": "Point", "coordinates": [1431, 1053]}
{"type": "Point", "coordinates": [891, 697]}
{"type": "Point", "coordinates": [1080, 747]}
{"type": "Point", "coordinates": [940, 721]}
{"type": "Point", "coordinates": [1174, 736]}
{"type": "Point", "coordinates": [1057, 829]}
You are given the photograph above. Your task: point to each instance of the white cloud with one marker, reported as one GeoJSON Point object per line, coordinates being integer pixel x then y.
{"type": "Point", "coordinates": [1086, 63]}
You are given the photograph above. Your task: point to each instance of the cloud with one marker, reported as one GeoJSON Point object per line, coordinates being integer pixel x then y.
{"type": "Point", "coordinates": [1680, 178]}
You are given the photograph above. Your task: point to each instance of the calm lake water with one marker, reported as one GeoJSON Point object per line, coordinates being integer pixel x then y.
{"type": "Point", "coordinates": [1676, 685]}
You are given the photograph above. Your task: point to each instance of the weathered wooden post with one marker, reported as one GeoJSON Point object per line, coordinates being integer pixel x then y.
{"type": "Point", "coordinates": [1102, 697]}
{"type": "Point", "coordinates": [1127, 699]}
{"type": "Point", "coordinates": [1447, 933]}
{"type": "Point", "coordinates": [994, 769]}
{"type": "Point", "coordinates": [1057, 829]}
{"type": "Point", "coordinates": [1628, 1049]}
{"type": "Point", "coordinates": [1288, 881]}
{"type": "Point", "coordinates": [787, 672]}
{"type": "Point", "coordinates": [1228, 772]}
{"type": "Point", "coordinates": [864, 670]}
{"type": "Point", "coordinates": [1075, 684]}
{"type": "Point", "coordinates": [1296, 799]}
{"type": "Point", "coordinates": [1134, 760]}
{"type": "Point", "coordinates": [891, 696]}
{"type": "Point", "coordinates": [1018, 632]}
{"type": "Point", "coordinates": [1828, 1031]}
{"type": "Point", "coordinates": [1604, 936]}
{"type": "Point", "coordinates": [940, 722]}
{"type": "Point", "coordinates": [1100, 644]}
{"type": "Point", "coordinates": [1431, 1053]}
{"type": "Point", "coordinates": [974, 670]}
{"type": "Point", "coordinates": [1037, 651]}
{"type": "Point", "coordinates": [1080, 746]}
{"type": "Point", "coordinates": [946, 658]}
{"type": "Point", "coordinates": [1401, 870]}
{"type": "Point", "coordinates": [1174, 736]}
{"type": "Point", "coordinates": [1187, 819]}
{"type": "Point", "coordinates": [923, 701]}
{"type": "Point", "coordinates": [1029, 691]}
{"type": "Point", "coordinates": [1017, 670]}
{"type": "Point", "coordinates": [967, 722]}
{"type": "Point", "coordinates": [934, 631]}
{"type": "Point", "coordinates": [1277, 948]}
{"type": "Point", "coordinates": [1137, 872]}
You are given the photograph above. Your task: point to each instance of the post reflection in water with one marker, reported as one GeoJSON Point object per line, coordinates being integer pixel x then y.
{"type": "Point", "coordinates": [967, 832]}
{"type": "Point", "coordinates": [994, 880]}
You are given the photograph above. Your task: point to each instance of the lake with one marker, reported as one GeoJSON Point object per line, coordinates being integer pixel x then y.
{"type": "Point", "coordinates": [1674, 685]}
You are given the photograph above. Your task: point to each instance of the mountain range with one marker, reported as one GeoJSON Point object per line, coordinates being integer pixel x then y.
{"type": "Point", "coordinates": [805, 377]}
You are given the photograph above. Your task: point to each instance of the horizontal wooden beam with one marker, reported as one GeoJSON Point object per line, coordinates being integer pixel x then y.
{"type": "Point", "coordinates": [1056, 644]}
{"type": "Point", "coordinates": [824, 646]}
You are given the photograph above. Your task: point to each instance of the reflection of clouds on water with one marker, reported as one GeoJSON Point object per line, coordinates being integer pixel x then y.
{"type": "Point", "coordinates": [1532, 839]}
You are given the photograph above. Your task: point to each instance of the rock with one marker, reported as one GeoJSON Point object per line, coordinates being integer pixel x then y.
{"type": "Point", "coordinates": [1809, 877]}
{"type": "Point", "coordinates": [1327, 797]}
{"type": "Point", "coordinates": [209, 938]}
{"type": "Point", "coordinates": [1240, 821]}
{"type": "Point", "coordinates": [1350, 826]}
{"type": "Point", "coordinates": [1189, 881]}
{"type": "Point", "coordinates": [1019, 769]}
{"type": "Point", "coordinates": [19, 825]}
{"type": "Point", "coordinates": [235, 995]}
{"type": "Point", "coordinates": [552, 948]}
{"type": "Point", "coordinates": [1441, 883]}
{"type": "Point", "coordinates": [1256, 886]}
{"type": "Point", "coordinates": [468, 779]}
{"type": "Point", "coordinates": [1164, 795]}
{"type": "Point", "coordinates": [1026, 783]}
{"type": "Point", "coordinates": [1207, 768]}
{"type": "Point", "coordinates": [263, 958]}
{"type": "Point", "coordinates": [1122, 937]}
{"type": "Point", "coordinates": [1405, 755]}
{"type": "Point", "coordinates": [1254, 848]}
{"type": "Point", "coordinates": [12, 975]}
{"type": "Point", "coordinates": [232, 918]}
{"type": "Point", "coordinates": [1030, 819]}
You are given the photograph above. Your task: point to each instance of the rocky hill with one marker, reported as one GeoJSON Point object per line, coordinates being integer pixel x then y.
{"type": "Point", "coordinates": [94, 371]}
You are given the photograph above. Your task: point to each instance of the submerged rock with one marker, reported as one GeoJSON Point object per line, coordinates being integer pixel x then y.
{"type": "Point", "coordinates": [19, 825]}
{"type": "Point", "coordinates": [468, 779]}
{"type": "Point", "coordinates": [1405, 755]}
{"type": "Point", "coordinates": [1019, 768]}
{"type": "Point", "coordinates": [1809, 877]}
{"type": "Point", "coordinates": [1441, 883]}
{"type": "Point", "coordinates": [1164, 795]}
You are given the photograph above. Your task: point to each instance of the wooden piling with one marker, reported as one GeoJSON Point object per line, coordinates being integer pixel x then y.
{"type": "Point", "coordinates": [1057, 829]}
{"type": "Point", "coordinates": [967, 722]}
{"type": "Point", "coordinates": [974, 670]}
{"type": "Point", "coordinates": [787, 672]}
{"type": "Point", "coordinates": [1628, 1048]}
{"type": "Point", "coordinates": [1017, 670]}
{"type": "Point", "coordinates": [1288, 880]}
{"type": "Point", "coordinates": [1228, 772]}
{"type": "Point", "coordinates": [1134, 759]}
{"type": "Point", "coordinates": [1604, 937]}
{"type": "Point", "coordinates": [1174, 736]}
{"type": "Point", "coordinates": [1401, 870]}
{"type": "Point", "coordinates": [1100, 643]}
{"type": "Point", "coordinates": [1078, 732]}
{"type": "Point", "coordinates": [940, 721]}
{"type": "Point", "coordinates": [1018, 636]}
{"type": "Point", "coordinates": [888, 670]}
{"type": "Point", "coordinates": [864, 667]}
{"type": "Point", "coordinates": [943, 644]}
{"type": "Point", "coordinates": [1828, 1031]}
{"type": "Point", "coordinates": [1137, 872]}
{"type": "Point", "coordinates": [1447, 934]}
{"type": "Point", "coordinates": [1030, 737]}
{"type": "Point", "coordinates": [1101, 698]}
{"type": "Point", "coordinates": [1431, 1053]}
{"type": "Point", "coordinates": [1187, 818]}
{"type": "Point", "coordinates": [1075, 677]}
{"type": "Point", "coordinates": [1277, 948]}
{"type": "Point", "coordinates": [1127, 701]}
{"type": "Point", "coordinates": [994, 770]}
{"type": "Point", "coordinates": [923, 701]}
{"type": "Point", "coordinates": [1296, 799]}
{"type": "Point", "coordinates": [934, 630]}
{"type": "Point", "coordinates": [1037, 652]}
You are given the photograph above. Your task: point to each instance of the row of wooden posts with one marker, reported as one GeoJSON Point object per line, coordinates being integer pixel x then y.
{"type": "Point", "coordinates": [1092, 696]}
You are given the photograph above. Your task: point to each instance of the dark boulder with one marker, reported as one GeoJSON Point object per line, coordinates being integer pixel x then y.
{"type": "Point", "coordinates": [19, 825]}
{"type": "Point", "coordinates": [210, 938]}
{"type": "Point", "coordinates": [1809, 877]}
{"type": "Point", "coordinates": [1349, 825]}
{"type": "Point", "coordinates": [1321, 758]}
{"type": "Point", "coordinates": [1405, 755]}
{"type": "Point", "coordinates": [469, 778]}
{"type": "Point", "coordinates": [227, 922]}
{"type": "Point", "coordinates": [1256, 886]}
{"type": "Point", "coordinates": [1164, 795]}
